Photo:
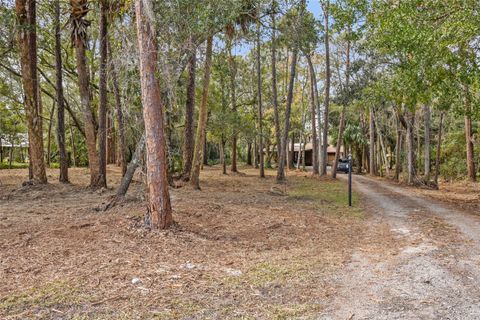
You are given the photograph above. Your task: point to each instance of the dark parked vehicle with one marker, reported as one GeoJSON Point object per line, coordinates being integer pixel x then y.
{"type": "Point", "coordinates": [342, 165]}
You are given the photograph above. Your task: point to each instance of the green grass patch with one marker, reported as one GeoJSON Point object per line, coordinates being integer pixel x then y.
{"type": "Point", "coordinates": [54, 294]}
{"type": "Point", "coordinates": [329, 197]}
{"type": "Point", "coordinates": [265, 274]}
{"type": "Point", "coordinates": [15, 165]}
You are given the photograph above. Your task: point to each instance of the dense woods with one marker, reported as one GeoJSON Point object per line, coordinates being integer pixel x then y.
{"type": "Point", "coordinates": [272, 84]}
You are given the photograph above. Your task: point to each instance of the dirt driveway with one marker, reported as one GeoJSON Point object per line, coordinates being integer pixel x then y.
{"type": "Point", "coordinates": [431, 272]}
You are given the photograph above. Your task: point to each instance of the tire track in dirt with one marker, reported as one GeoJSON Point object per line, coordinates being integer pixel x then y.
{"type": "Point", "coordinates": [435, 273]}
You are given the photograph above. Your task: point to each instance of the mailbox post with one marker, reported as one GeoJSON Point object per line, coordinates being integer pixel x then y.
{"type": "Point", "coordinates": [350, 180]}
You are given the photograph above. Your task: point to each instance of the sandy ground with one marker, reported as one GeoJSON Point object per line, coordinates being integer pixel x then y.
{"type": "Point", "coordinates": [433, 270]}
{"type": "Point", "coordinates": [237, 252]}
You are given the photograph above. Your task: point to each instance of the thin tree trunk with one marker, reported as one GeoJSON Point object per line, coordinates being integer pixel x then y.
{"type": "Point", "coordinates": [188, 137]}
{"type": "Point", "coordinates": [49, 135]}
{"type": "Point", "coordinates": [471, 174]}
{"type": "Point", "coordinates": [159, 203]}
{"type": "Point", "coordinates": [233, 97]}
{"type": "Point", "coordinates": [315, 154]}
{"type": "Point", "coordinates": [384, 151]}
{"type": "Point", "coordinates": [341, 126]}
{"type": "Point", "coordinates": [202, 119]}
{"type": "Point", "coordinates": [122, 145]}
{"type": "Point", "coordinates": [260, 112]}
{"type": "Point", "coordinates": [410, 148]}
{"type": "Point", "coordinates": [426, 114]}
{"type": "Point", "coordinates": [131, 168]}
{"type": "Point", "coordinates": [205, 148]}
{"type": "Point", "coordinates": [372, 168]}
{"type": "Point", "coordinates": [291, 160]}
{"type": "Point", "coordinates": [60, 100]}
{"type": "Point", "coordinates": [439, 144]}
{"type": "Point", "coordinates": [249, 153]}
{"type": "Point", "coordinates": [27, 40]}
{"type": "Point", "coordinates": [85, 98]}
{"type": "Point", "coordinates": [324, 156]}
{"type": "Point", "coordinates": [222, 156]}
{"type": "Point", "coordinates": [398, 153]}
{"type": "Point", "coordinates": [102, 110]}
{"type": "Point", "coordinates": [276, 116]}
{"type": "Point", "coordinates": [128, 176]}
{"type": "Point", "coordinates": [284, 146]}
{"type": "Point", "coordinates": [74, 149]}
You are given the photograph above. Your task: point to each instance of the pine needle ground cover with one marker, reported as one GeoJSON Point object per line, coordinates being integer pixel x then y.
{"type": "Point", "coordinates": [238, 250]}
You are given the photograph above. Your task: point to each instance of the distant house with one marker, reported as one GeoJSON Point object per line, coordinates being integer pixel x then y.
{"type": "Point", "coordinates": [14, 147]}
{"type": "Point", "coordinates": [331, 150]}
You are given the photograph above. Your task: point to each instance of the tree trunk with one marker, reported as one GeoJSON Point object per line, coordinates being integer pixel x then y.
{"type": "Point", "coordinates": [276, 116]}
{"type": "Point", "coordinates": [249, 153]}
{"type": "Point", "coordinates": [324, 155]}
{"type": "Point", "coordinates": [49, 135]}
{"type": "Point", "coordinates": [426, 114]}
{"type": "Point", "coordinates": [371, 167]}
{"type": "Point", "coordinates": [471, 174]}
{"type": "Point", "coordinates": [260, 112]}
{"type": "Point", "coordinates": [188, 137]}
{"type": "Point", "coordinates": [102, 109]}
{"type": "Point", "coordinates": [313, 115]}
{"type": "Point", "coordinates": [341, 126]}
{"type": "Point", "coordinates": [222, 156]}
{"type": "Point", "coordinates": [27, 41]}
{"type": "Point", "coordinates": [159, 203]}
{"type": "Point", "coordinates": [74, 149]}
{"type": "Point", "coordinates": [410, 148]}
{"type": "Point", "coordinates": [233, 97]}
{"type": "Point", "coordinates": [398, 153]}
{"type": "Point", "coordinates": [132, 167]}
{"type": "Point", "coordinates": [202, 119]}
{"type": "Point", "coordinates": [85, 98]}
{"type": "Point", "coordinates": [291, 162]}
{"type": "Point", "coordinates": [60, 101]}
{"type": "Point", "coordinates": [205, 148]}
{"type": "Point", "coordinates": [122, 145]}
{"type": "Point", "coordinates": [439, 144]}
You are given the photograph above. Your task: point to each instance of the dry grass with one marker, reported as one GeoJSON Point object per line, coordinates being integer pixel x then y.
{"type": "Point", "coordinates": [237, 250]}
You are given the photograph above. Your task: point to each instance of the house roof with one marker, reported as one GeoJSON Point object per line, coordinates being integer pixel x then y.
{"type": "Point", "coordinates": [309, 146]}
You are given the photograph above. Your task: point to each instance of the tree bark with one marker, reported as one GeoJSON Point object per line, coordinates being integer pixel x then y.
{"type": "Point", "coordinates": [102, 110]}
{"type": "Point", "coordinates": [276, 115]}
{"type": "Point", "coordinates": [131, 168]}
{"type": "Point", "coordinates": [371, 167]}
{"type": "Point", "coordinates": [260, 111]}
{"type": "Point", "coordinates": [202, 119]}
{"type": "Point", "coordinates": [222, 156]}
{"type": "Point", "coordinates": [410, 148]}
{"type": "Point", "coordinates": [249, 153]}
{"type": "Point", "coordinates": [341, 126]}
{"type": "Point", "coordinates": [439, 144]}
{"type": "Point", "coordinates": [471, 174]}
{"type": "Point", "coordinates": [121, 141]}
{"type": "Point", "coordinates": [188, 137]}
{"type": "Point", "coordinates": [233, 96]}
{"type": "Point", "coordinates": [283, 153]}
{"type": "Point", "coordinates": [49, 135]}
{"type": "Point", "coordinates": [324, 155]}
{"type": "Point", "coordinates": [313, 81]}
{"type": "Point", "coordinates": [79, 43]}
{"type": "Point", "coordinates": [426, 114]}
{"type": "Point", "coordinates": [62, 152]}
{"type": "Point", "coordinates": [159, 203]}
{"type": "Point", "coordinates": [27, 40]}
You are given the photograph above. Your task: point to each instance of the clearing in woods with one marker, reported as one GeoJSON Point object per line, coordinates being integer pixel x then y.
{"type": "Point", "coordinates": [238, 250]}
